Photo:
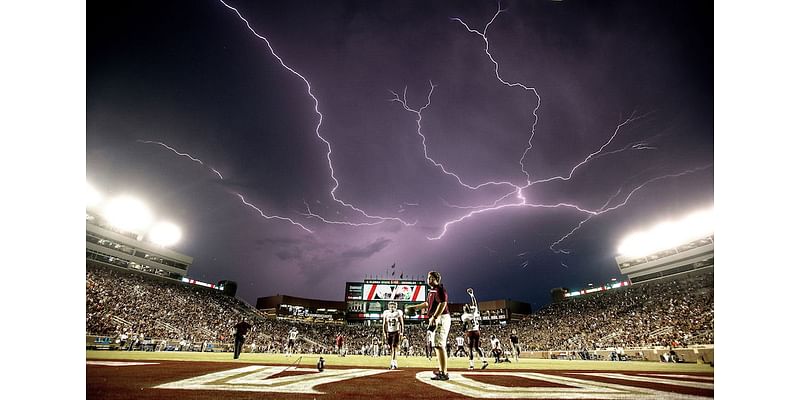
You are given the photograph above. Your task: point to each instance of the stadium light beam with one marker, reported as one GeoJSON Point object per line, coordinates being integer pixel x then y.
{"type": "Point", "coordinates": [668, 234]}
{"type": "Point", "coordinates": [128, 213]}
{"type": "Point", "coordinates": [164, 234]}
{"type": "Point", "coordinates": [93, 197]}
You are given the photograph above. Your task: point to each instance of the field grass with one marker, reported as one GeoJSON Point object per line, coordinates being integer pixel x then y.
{"type": "Point", "coordinates": [403, 362]}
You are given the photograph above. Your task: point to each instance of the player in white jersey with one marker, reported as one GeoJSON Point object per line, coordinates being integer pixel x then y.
{"type": "Point", "coordinates": [459, 347]}
{"type": "Point", "coordinates": [392, 330]}
{"type": "Point", "coordinates": [292, 339]}
{"type": "Point", "coordinates": [471, 319]}
{"type": "Point", "coordinates": [497, 351]}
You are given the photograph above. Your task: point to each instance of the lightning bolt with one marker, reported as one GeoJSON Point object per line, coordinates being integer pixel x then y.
{"type": "Point", "coordinates": [604, 209]}
{"type": "Point", "coordinates": [418, 112]}
{"type": "Point", "coordinates": [183, 155]}
{"type": "Point", "coordinates": [504, 206]}
{"type": "Point", "coordinates": [310, 92]}
{"type": "Point", "coordinates": [272, 216]}
{"type": "Point", "coordinates": [649, 181]}
{"type": "Point", "coordinates": [310, 214]}
{"type": "Point", "coordinates": [523, 202]}
{"type": "Point", "coordinates": [240, 196]}
{"type": "Point", "coordinates": [591, 155]}
{"type": "Point", "coordinates": [509, 84]}
{"type": "Point", "coordinates": [496, 205]}
{"type": "Point", "coordinates": [580, 224]}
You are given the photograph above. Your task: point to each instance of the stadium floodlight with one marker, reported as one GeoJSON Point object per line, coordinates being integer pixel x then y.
{"type": "Point", "coordinates": [700, 224]}
{"type": "Point", "coordinates": [633, 245]}
{"type": "Point", "coordinates": [127, 213]}
{"type": "Point", "coordinates": [164, 234]}
{"type": "Point", "coordinates": [668, 234]}
{"type": "Point", "coordinates": [93, 197]}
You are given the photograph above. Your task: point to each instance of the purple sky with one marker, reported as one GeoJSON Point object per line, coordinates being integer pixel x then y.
{"type": "Point", "coordinates": [192, 76]}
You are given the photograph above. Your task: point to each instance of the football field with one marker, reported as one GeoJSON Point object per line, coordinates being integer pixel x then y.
{"type": "Point", "coordinates": [192, 375]}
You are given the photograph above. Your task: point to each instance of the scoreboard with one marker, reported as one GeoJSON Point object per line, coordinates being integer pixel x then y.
{"type": "Point", "coordinates": [367, 300]}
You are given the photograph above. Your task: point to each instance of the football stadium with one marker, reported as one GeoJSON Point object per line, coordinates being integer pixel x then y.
{"type": "Point", "coordinates": [431, 200]}
{"type": "Point", "coordinates": [151, 332]}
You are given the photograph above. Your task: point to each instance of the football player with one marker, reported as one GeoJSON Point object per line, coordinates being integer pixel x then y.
{"type": "Point", "coordinates": [459, 347]}
{"type": "Point", "coordinates": [392, 330]}
{"type": "Point", "coordinates": [471, 318]}
{"type": "Point", "coordinates": [292, 340]}
{"type": "Point", "coordinates": [497, 351]}
{"type": "Point", "coordinates": [514, 340]}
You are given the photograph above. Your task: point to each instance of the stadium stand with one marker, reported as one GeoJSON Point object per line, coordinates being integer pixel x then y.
{"type": "Point", "coordinates": [130, 310]}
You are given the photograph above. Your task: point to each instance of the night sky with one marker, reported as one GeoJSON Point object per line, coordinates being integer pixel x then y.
{"type": "Point", "coordinates": [192, 76]}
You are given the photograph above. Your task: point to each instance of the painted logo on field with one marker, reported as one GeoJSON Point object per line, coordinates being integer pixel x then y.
{"type": "Point", "coordinates": [568, 387]}
{"type": "Point", "coordinates": [254, 378]}
{"type": "Point", "coordinates": [479, 385]}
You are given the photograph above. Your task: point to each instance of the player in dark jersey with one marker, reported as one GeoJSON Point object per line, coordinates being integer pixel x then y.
{"type": "Point", "coordinates": [438, 321]}
{"type": "Point", "coordinates": [514, 340]}
{"type": "Point", "coordinates": [340, 345]}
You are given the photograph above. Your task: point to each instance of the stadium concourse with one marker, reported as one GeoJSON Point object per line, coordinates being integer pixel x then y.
{"type": "Point", "coordinates": [134, 311]}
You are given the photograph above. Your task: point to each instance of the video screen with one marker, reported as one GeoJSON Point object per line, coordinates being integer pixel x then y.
{"type": "Point", "coordinates": [413, 293]}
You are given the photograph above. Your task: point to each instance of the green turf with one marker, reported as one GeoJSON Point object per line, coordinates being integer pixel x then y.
{"type": "Point", "coordinates": [403, 362]}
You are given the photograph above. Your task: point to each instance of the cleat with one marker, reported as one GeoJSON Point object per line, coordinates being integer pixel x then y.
{"type": "Point", "coordinates": [442, 377]}
{"type": "Point", "coordinates": [471, 368]}
{"type": "Point", "coordinates": [485, 364]}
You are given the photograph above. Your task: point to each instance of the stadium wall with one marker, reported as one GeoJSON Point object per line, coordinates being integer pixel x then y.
{"type": "Point", "coordinates": [694, 354]}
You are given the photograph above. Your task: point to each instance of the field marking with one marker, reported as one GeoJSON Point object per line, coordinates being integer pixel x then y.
{"type": "Point", "coordinates": [698, 385]}
{"type": "Point", "coordinates": [119, 363]}
{"type": "Point", "coordinates": [254, 379]}
{"type": "Point", "coordinates": [580, 388]}
{"type": "Point", "coordinates": [704, 378]}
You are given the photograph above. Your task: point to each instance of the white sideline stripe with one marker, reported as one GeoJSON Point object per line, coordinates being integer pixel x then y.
{"type": "Point", "coordinates": [705, 378]}
{"type": "Point", "coordinates": [698, 385]}
{"type": "Point", "coordinates": [581, 388]}
{"type": "Point", "coordinates": [118, 363]}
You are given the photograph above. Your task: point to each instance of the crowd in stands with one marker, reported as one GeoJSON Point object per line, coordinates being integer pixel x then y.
{"type": "Point", "coordinates": [152, 313]}
{"type": "Point", "coordinates": [670, 312]}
